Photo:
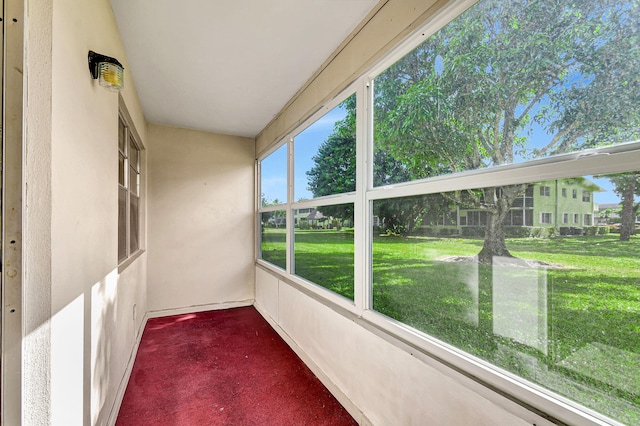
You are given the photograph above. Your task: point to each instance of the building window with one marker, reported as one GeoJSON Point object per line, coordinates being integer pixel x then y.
{"type": "Point", "coordinates": [545, 218]}
{"type": "Point", "coordinates": [452, 135]}
{"type": "Point", "coordinates": [587, 220]}
{"type": "Point", "coordinates": [324, 164]}
{"type": "Point", "coordinates": [586, 196]}
{"type": "Point", "coordinates": [129, 180]}
{"type": "Point", "coordinates": [564, 192]}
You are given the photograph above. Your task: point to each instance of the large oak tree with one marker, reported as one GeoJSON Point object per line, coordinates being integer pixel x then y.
{"type": "Point", "coordinates": [512, 80]}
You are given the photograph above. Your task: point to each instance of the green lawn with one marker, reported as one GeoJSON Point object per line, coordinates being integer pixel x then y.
{"type": "Point", "coordinates": [573, 327]}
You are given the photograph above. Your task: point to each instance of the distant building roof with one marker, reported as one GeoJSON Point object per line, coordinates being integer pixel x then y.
{"type": "Point", "coordinates": [315, 215]}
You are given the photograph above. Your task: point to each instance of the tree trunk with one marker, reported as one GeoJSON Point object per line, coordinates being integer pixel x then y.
{"type": "Point", "coordinates": [494, 242]}
{"type": "Point", "coordinates": [627, 216]}
{"type": "Point", "coordinates": [494, 238]}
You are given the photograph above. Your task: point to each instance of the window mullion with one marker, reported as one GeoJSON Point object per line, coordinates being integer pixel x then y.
{"type": "Point", "coordinates": [127, 184]}
{"type": "Point", "coordinates": [290, 264]}
{"type": "Point", "coordinates": [362, 209]}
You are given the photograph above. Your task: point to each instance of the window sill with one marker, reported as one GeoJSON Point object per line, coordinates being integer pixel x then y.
{"type": "Point", "coordinates": [125, 263]}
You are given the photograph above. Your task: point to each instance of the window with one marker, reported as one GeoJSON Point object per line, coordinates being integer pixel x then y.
{"type": "Point", "coordinates": [428, 225]}
{"type": "Point", "coordinates": [324, 154]}
{"type": "Point", "coordinates": [273, 178]}
{"type": "Point", "coordinates": [129, 180]}
{"type": "Point", "coordinates": [324, 165]}
{"type": "Point", "coordinates": [273, 237]}
{"type": "Point", "coordinates": [587, 220]}
{"type": "Point", "coordinates": [324, 249]}
{"type": "Point", "coordinates": [545, 218]}
{"type": "Point", "coordinates": [586, 196]}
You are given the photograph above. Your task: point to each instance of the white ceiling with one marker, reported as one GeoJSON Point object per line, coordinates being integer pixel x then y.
{"type": "Point", "coordinates": [228, 66]}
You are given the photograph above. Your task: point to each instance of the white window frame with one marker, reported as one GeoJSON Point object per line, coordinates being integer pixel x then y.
{"type": "Point", "coordinates": [290, 205]}
{"type": "Point", "coordinates": [131, 137]}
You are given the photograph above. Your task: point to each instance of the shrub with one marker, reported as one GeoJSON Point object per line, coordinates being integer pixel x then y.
{"type": "Point", "coordinates": [303, 224]}
{"type": "Point", "coordinates": [473, 231]}
{"type": "Point", "coordinates": [590, 230]}
{"type": "Point", "coordinates": [517, 231]}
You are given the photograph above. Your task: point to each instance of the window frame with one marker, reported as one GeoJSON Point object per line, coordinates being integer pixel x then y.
{"type": "Point", "coordinates": [131, 137]}
{"type": "Point", "coordinates": [290, 205]}
{"type": "Point", "coordinates": [443, 356]}
{"type": "Point", "coordinates": [546, 218]}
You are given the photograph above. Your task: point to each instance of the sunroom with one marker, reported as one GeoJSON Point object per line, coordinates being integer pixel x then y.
{"type": "Point", "coordinates": [365, 204]}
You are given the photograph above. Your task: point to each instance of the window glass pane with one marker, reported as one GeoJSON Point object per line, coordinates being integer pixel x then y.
{"type": "Point", "coordinates": [325, 154]}
{"type": "Point", "coordinates": [121, 135]}
{"type": "Point", "coordinates": [323, 249]}
{"type": "Point", "coordinates": [506, 82]}
{"type": "Point", "coordinates": [134, 180]}
{"type": "Point", "coordinates": [555, 304]}
{"type": "Point", "coordinates": [134, 228]}
{"type": "Point", "coordinates": [273, 178]}
{"type": "Point", "coordinates": [121, 169]}
{"type": "Point", "coordinates": [273, 238]}
{"type": "Point", "coordinates": [122, 224]}
{"type": "Point", "coordinates": [134, 155]}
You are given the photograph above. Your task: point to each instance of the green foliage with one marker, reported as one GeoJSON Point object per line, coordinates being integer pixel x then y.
{"type": "Point", "coordinates": [303, 224]}
{"type": "Point", "coordinates": [627, 186]}
{"type": "Point", "coordinates": [472, 94]}
{"type": "Point", "coordinates": [595, 230]}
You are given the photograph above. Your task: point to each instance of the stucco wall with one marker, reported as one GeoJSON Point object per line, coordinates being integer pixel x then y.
{"type": "Point", "coordinates": [200, 230]}
{"type": "Point", "coordinates": [87, 329]}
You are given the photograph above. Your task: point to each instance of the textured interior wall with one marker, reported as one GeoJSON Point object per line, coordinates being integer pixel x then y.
{"type": "Point", "coordinates": [35, 402]}
{"type": "Point", "coordinates": [201, 209]}
{"type": "Point", "coordinates": [79, 327]}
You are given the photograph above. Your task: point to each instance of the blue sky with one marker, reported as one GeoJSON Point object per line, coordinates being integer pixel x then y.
{"type": "Point", "coordinates": [274, 175]}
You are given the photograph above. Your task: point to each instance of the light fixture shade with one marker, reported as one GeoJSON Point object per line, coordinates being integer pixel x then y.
{"type": "Point", "coordinates": [109, 71]}
{"type": "Point", "coordinates": [111, 76]}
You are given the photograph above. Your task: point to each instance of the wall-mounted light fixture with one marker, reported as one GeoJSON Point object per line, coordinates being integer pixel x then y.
{"type": "Point", "coordinates": [108, 71]}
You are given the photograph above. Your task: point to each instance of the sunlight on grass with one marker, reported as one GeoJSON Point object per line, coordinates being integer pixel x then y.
{"type": "Point", "coordinates": [325, 257]}
{"type": "Point", "coordinates": [589, 295]}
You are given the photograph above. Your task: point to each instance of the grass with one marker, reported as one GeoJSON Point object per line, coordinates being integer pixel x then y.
{"type": "Point", "coordinates": [559, 326]}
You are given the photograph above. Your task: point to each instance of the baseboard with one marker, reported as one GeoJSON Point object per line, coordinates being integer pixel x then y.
{"type": "Point", "coordinates": [199, 308]}
{"type": "Point", "coordinates": [355, 412]}
{"type": "Point", "coordinates": [115, 409]}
